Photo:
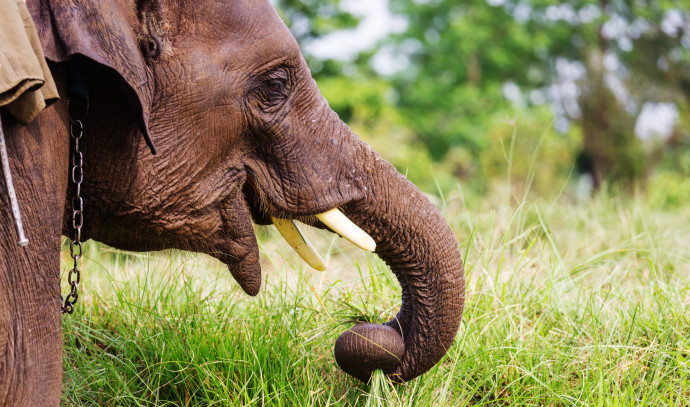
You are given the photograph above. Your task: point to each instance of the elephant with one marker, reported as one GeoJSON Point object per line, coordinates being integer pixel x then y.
{"type": "Point", "coordinates": [203, 119]}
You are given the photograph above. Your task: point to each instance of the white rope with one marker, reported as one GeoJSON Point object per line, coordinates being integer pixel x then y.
{"type": "Point", "coordinates": [23, 241]}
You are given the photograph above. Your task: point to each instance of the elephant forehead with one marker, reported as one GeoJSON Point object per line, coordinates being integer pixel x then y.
{"type": "Point", "coordinates": [244, 30]}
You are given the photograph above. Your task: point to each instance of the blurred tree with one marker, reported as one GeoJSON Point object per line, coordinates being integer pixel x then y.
{"type": "Point", "coordinates": [310, 19]}
{"type": "Point", "coordinates": [313, 19]}
{"type": "Point", "coordinates": [597, 61]}
{"type": "Point", "coordinates": [632, 53]}
{"type": "Point", "coordinates": [461, 56]}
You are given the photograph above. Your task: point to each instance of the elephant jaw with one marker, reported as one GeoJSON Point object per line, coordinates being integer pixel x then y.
{"type": "Point", "coordinates": [266, 211]}
{"type": "Point", "coordinates": [240, 249]}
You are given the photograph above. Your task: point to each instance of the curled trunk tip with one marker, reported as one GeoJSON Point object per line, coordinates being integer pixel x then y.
{"type": "Point", "coordinates": [367, 347]}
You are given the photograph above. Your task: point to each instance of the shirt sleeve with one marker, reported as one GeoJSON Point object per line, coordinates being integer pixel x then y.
{"type": "Point", "coordinates": [26, 84]}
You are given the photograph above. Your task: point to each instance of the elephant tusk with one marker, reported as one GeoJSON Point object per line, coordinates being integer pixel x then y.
{"type": "Point", "coordinates": [291, 233]}
{"type": "Point", "coordinates": [343, 226]}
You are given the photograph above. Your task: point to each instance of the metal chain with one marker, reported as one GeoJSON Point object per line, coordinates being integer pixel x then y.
{"type": "Point", "coordinates": [76, 248]}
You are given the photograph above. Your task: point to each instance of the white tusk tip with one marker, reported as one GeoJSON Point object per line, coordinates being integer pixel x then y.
{"type": "Point", "coordinates": [343, 226]}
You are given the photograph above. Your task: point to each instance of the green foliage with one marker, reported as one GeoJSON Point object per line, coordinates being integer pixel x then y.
{"type": "Point", "coordinates": [310, 19]}
{"type": "Point", "coordinates": [529, 154]}
{"type": "Point", "coordinates": [462, 54]}
{"type": "Point", "coordinates": [668, 190]}
{"type": "Point", "coordinates": [364, 99]}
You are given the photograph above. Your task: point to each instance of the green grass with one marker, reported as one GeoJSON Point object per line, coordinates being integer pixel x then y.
{"type": "Point", "coordinates": [566, 305]}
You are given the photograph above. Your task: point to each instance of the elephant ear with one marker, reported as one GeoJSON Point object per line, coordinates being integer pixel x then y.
{"type": "Point", "coordinates": [102, 31]}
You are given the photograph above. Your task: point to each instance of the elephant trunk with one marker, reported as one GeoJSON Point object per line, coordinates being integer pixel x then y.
{"type": "Point", "coordinates": [417, 244]}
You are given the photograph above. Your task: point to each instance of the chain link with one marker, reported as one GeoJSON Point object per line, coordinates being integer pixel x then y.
{"type": "Point", "coordinates": [76, 248]}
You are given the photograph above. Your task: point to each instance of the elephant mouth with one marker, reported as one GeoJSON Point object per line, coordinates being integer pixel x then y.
{"type": "Point", "coordinates": [264, 213]}
{"type": "Point", "coordinates": [256, 202]}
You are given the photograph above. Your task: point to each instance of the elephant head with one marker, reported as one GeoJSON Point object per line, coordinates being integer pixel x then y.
{"type": "Point", "coordinates": [242, 135]}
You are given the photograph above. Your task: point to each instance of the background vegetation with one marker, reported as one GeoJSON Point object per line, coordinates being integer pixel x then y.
{"type": "Point", "coordinates": [527, 123]}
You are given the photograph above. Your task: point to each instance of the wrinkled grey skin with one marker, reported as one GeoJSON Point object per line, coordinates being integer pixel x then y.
{"type": "Point", "coordinates": [241, 133]}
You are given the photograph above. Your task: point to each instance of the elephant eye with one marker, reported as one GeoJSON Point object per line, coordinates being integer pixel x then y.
{"type": "Point", "coordinates": [271, 92]}
{"type": "Point", "coordinates": [150, 39]}
{"type": "Point", "coordinates": [271, 88]}
{"type": "Point", "coordinates": [275, 86]}
{"type": "Point", "coordinates": [152, 47]}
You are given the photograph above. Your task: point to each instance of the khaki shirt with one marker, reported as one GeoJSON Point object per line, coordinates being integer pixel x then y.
{"type": "Point", "coordinates": [26, 85]}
